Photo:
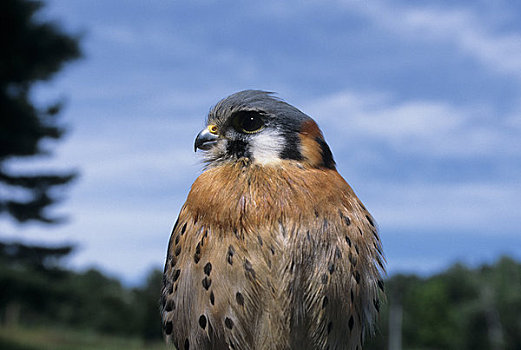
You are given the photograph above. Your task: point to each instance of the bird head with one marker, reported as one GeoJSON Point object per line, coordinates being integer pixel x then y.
{"type": "Point", "coordinates": [255, 127]}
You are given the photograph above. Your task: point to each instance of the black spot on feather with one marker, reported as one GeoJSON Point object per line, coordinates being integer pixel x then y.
{"type": "Point", "coordinates": [351, 323]}
{"type": "Point", "coordinates": [249, 269]}
{"type": "Point", "coordinates": [207, 269]}
{"type": "Point", "coordinates": [325, 301]}
{"type": "Point", "coordinates": [228, 323]}
{"type": "Point", "coordinates": [239, 298]}
{"type": "Point", "coordinates": [207, 282]}
{"type": "Point", "coordinates": [324, 278]}
{"type": "Point", "coordinates": [229, 256]}
{"type": "Point", "coordinates": [177, 272]}
{"type": "Point", "coordinates": [370, 220]}
{"type": "Point", "coordinates": [169, 327]}
{"type": "Point", "coordinates": [202, 321]}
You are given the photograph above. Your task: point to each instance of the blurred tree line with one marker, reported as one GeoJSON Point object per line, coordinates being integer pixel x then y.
{"type": "Point", "coordinates": [461, 308]}
{"type": "Point", "coordinates": [36, 291]}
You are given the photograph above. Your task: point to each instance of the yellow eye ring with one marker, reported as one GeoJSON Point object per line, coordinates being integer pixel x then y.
{"type": "Point", "coordinates": [212, 128]}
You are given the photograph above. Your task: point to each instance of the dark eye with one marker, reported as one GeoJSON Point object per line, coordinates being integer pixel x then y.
{"type": "Point", "coordinates": [248, 122]}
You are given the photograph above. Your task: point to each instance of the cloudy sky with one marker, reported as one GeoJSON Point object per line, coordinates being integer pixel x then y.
{"type": "Point", "coordinates": [420, 102]}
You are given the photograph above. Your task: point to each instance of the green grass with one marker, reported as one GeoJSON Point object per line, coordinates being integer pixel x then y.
{"type": "Point", "coordinates": [21, 338]}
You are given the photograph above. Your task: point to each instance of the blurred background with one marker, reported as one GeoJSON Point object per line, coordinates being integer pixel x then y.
{"type": "Point", "coordinates": [100, 102]}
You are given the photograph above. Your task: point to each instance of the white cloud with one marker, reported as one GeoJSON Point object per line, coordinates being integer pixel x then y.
{"type": "Point", "coordinates": [470, 33]}
{"type": "Point", "coordinates": [420, 127]}
{"type": "Point", "coordinates": [481, 207]}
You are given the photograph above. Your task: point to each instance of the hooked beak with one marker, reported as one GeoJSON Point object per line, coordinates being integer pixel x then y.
{"type": "Point", "coordinates": [205, 139]}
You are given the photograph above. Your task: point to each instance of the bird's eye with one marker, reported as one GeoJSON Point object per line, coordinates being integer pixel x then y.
{"type": "Point", "coordinates": [248, 122]}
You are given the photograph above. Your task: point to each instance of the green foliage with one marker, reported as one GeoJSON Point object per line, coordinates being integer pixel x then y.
{"type": "Point", "coordinates": [52, 338]}
{"type": "Point", "coordinates": [36, 291]}
{"type": "Point", "coordinates": [31, 51]}
{"type": "Point", "coordinates": [460, 308]}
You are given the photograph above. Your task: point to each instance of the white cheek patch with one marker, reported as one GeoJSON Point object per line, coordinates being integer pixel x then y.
{"type": "Point", "coordinates": [266, 146]}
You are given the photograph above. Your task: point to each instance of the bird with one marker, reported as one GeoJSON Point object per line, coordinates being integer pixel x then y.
{"type": "Point", "coordinates": [272, 248]}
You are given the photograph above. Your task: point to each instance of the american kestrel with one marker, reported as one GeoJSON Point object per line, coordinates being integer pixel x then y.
{"type": "Point", "coordinates": [272, 249]}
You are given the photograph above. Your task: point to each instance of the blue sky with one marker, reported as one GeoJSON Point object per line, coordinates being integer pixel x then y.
{"type": "Point", "coordinates": [419, 101]}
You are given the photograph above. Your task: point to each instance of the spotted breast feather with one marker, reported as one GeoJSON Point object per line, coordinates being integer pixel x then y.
{"type": "Point", "coordinates": [271, 257]}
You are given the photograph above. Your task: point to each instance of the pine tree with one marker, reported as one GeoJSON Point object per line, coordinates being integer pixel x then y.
{"type": "Point", "coordinates": [31, 51]}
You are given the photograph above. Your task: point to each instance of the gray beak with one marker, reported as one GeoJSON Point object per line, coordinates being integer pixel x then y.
{"type": "Point", "coordinates": [205, 140]}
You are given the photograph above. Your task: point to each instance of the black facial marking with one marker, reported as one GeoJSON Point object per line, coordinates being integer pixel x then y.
{"type": "Point", "coordinates": [348, 241]}
{"type": "Point", "coordinates": [183, 229]}
{"type": "Point", "coordinates": [291, 149]}
{"type": "Point", "coordinates": [212, 298]}
{"type": "Point", "coordinates": [187, 344]}
{"type": "Point", "coordinates": [238, 148]}
{"type": "Point", "coordinates": [327, 156]}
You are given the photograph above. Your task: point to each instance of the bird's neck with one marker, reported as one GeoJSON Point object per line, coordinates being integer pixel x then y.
{"type": "Point", "coordinates": [256, 193]}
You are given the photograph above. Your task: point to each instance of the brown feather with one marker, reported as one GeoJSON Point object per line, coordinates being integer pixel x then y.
{"type": "Point", "coordinates": [295, 261]}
